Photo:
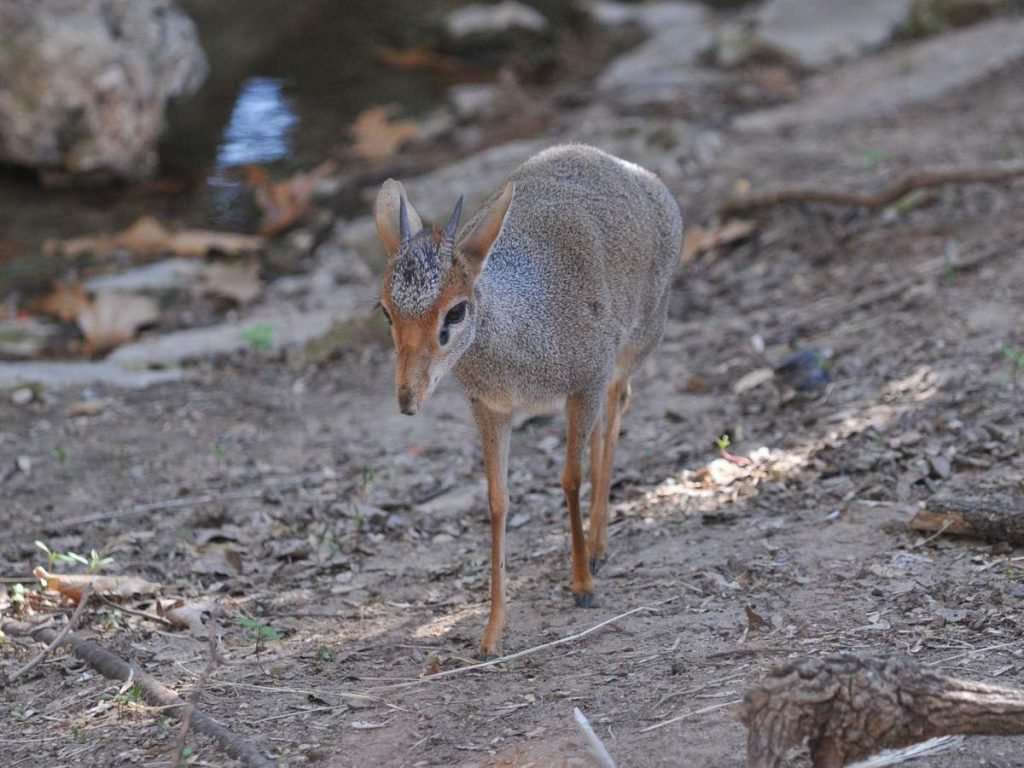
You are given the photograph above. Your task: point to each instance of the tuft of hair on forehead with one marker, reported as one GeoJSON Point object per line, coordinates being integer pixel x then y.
{"type": "Point", "coordinates": [417, 272]}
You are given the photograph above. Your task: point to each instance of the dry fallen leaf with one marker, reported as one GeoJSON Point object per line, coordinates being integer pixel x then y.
{"type": "Point", "coordinates": [148, 237]}
{"type": "Point", "coordinates": [190, 616]}
{"type": "Point", "coordinates": [699, 239]}
{"type": "Point", "coordinates": [238, 282]}
{"type": "Point", "coordinates": [65, 301]}
{"type": "Point", "coordinates": [284, 202]}
{"type": "Point", "coordinates": [113, 318]}
{"type": "Point", "coordinates": [89, 407]}
{"type": "Point", "coordinates": [72, 585]}
{"type": "Point", "coordinates": [378, 137]}
{"type": "Point", "coordinates": [416, 58]}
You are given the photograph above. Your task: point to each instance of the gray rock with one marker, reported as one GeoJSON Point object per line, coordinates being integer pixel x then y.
{"type": "Point", "coordinates": [905, 76]}
{"type": "Point", "coordinates": [476, 19]}
{"type": "Point", "coordinates": [456, 502]}
{"type": "Point", "coordinates": [83, 85]}
{"type": "Point", "coordinates": [159, 276]}
{"type": "Point", "coordinates": [819, 32]}
{"type": "Point", "coordinates": [58, 375]}
{"type": "Point", "coordinates": [25, 337]}
{"type": "Point", "coordinates": [678, 32]}
{"type": "Point", "coordinates": [473, 100]}
{"type": "Point", "coordinates": [269, 327]}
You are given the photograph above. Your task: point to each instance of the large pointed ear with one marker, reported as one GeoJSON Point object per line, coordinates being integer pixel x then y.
{"type": "Point", "coordinates": [476, 245]}
{"type": "Point", "coordinates": [387, 215]}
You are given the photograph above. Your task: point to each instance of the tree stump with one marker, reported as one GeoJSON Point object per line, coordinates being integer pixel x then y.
{"type": "Point", "coordinates": [849, 706]}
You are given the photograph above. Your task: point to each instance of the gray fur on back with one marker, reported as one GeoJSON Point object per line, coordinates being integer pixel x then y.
{"type": "Point", "coordinates": [580, 272]}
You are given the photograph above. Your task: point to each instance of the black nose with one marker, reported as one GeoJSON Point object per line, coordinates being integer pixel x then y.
{"type": "Point", "coordinates": [406, 401]}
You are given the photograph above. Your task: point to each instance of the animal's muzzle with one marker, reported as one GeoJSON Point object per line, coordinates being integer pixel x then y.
{"type": "Point", "coordinates": [406, 401]}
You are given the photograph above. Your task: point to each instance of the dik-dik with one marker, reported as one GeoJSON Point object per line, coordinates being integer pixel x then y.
{"type": "Point", "coordinates": [553, 293]}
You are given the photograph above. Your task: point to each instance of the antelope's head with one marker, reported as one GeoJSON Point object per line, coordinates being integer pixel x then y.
{"type": "Point", "coordinates": [427, 293]}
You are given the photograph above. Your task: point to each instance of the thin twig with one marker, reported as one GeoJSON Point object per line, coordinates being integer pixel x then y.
{"type": "Point", "coordinates": [688, 715]}
{"type": "Point", "coordinates": [935, 746]}
{"type": "Point", "coordinates": [158, 694]}
{"type": "Point", "coordinates": [212, 663]}
{"type": "Point", "coordinates": [942, 530]}
{"type": "Point", "coordinates": [920, 179]}
{"type": "Point", "coordinates": [597, 747]}
{"type": "Point", "coordinates": [528, 651]}
{"type": "Point", "coordinates": [134, 612]}
{"type": "Point", "coordinates": [59, 638]}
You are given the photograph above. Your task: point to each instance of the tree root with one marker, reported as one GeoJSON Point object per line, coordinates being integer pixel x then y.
{"type": "Point", "coordinates": [155, 692]}
{"type": "Point", "coordinates": [849, 707]}
{"type": "Point", "coordinates": [922, 179]}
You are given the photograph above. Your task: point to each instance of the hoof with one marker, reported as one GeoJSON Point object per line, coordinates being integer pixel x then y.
{"type": "Point", "coordinates": [596, 563]}
{"type": "Point", "coordinates": [584, 600]}
{"type": "Point", "coordinates": [483, 655]}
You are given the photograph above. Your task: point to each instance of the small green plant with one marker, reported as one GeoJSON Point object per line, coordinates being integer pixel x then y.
{"type": "Point", "coordinates": [93, 562]}
{"type": "Point", "coordinates": [872, 157]}
{"type": "Point", "coordinates": [17, 593]}
{"type": "Point", "coordinates": [1016, 359]}
{"type": "Point", "coordinates": [722, 442]}
{"type": "Point", "coordinates": [259, 632]}
{"type": "Point", "coordinates": [259, 336]}
{"type": "Point", "coordinates": [323, 653]}
{"type": "Point", "coordinates": [51, 556]}
{"type": "Point", "coordinates": [132, 696]}
{"type": "Point", "coordinates": [60, 453]}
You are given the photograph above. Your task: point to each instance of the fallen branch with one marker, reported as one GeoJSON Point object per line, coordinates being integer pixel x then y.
{"type": "Point", "coordinates": [922, 179]}
{"type": "Point", "coordinates": [848, 707]}
{"type": "Point", "coordinates": [527, 651]}
{"type": "Point", "coordinates": [984, 518]}
{"type": "Point", "coordinates": [58, 637]}
{"type": "Point", "coordinates": [155, 692]}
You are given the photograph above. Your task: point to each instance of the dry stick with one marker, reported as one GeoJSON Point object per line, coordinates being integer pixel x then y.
{"type": "Point", "coordinates": [926, 177]}
{"type": "Point", "coordinates": [597, 746]}
{"type": "Point", "coordinates": [688, 715]}
{"type": "Point", "coordinates": [59, 637]}
{"type": "Point", "coordinates": [526, 651]}
{"type": "Point", "coordinates": [158, 694]}
{"type": "Point", "coordinates": [134, 612]}
{"type": "Point", "coordinates": [212, 663]}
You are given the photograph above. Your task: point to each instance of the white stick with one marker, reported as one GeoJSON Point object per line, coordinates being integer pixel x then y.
{"type": "Point", "coordinates": [934, 746]}
{"type": "Point", "coordinates": [525, 652]}
{"type": "Point", "coordinates": [687, 715]}
{"type": "Point", "coordinates": [597, 747]}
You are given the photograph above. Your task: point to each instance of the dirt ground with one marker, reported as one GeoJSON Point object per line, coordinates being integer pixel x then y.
{"type": "Point", "coordinates": [357, 537]}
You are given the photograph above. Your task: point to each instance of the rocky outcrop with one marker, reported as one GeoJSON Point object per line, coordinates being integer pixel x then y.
{"type": "Point", "coordinates": [84, 83]}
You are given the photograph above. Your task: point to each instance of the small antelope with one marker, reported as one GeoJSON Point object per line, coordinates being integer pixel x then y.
{"type": "Point", "coordinates": [553, 293]}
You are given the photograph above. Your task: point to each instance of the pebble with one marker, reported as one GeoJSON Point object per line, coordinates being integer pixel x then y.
{"type": "Point", "coordinates": [23, 396]}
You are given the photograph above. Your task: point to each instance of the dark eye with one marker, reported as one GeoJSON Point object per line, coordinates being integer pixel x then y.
{"type": "Point", "coordinates": [387, 317]}
{"type": "Point", "coordinates": [456, 314]}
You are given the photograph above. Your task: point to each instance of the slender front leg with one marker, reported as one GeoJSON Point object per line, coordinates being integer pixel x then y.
{"type": "Point", "coordinates": [581, 412]}
{"type": "Point", "coordinates": [495, 431]}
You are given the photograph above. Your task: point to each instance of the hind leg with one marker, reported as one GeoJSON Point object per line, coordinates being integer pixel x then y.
{"type": "Point", "coordinates": [581, 413]}
{"type": "Point", "coordinates": [615, 404]}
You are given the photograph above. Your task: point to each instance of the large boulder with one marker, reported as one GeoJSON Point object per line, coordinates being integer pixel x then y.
{"type": "Point", "coordinates": [84, 83]}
